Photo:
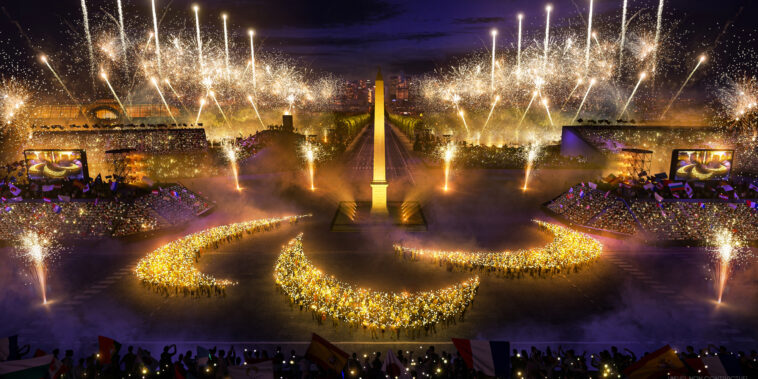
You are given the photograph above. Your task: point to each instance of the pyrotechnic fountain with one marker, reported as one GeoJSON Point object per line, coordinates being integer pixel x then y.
{"type": "Point", "coordinates": [36, 251]}
{"type": "Point", "coordinates": [309, 152]}
{"type": "Point", "coordinates": [231, 156]}
{"type": "Point", "coordinates": [532, 153]}
{"type": "Point", "coordinates": [726, 250]}
{"type": "Point", "coordinates": [448, 154]}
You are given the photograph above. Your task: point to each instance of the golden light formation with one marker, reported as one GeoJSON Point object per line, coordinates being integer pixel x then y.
{"type": "Point", "coordinates": [309, 287]}
{"type": "Point", "coordinates": [171, 267]}
{"type": "Point", "coordinates": [568, 251]}
{"type": "Point", "coordinates": [36, 250]}
{"type": "Point", "coordinates": [727, 246]}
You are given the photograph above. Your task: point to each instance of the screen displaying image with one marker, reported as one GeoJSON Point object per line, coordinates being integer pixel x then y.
{"type": "Point", "coordinates": [701, 164]}
{"type": "Point", "coordinates": [56, 164]}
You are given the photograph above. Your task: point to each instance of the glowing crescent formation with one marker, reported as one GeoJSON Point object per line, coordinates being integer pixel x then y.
{"type": "Point", "coordinates": [569, 249]}
{"type": "Point", "coordinates": [307, 286]}
{"type": "Point", "coordinates": [172, 266]}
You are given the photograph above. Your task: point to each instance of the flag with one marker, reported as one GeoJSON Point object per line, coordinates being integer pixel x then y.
{"type": "Point", "coordinates": [735, 195]}
{"type": "Point", "coordinates": [751, 204]}
{"type": "Point", "coordinates": [658, 197]}
{"type": "Point", "coordinates": [393, 367]}
{"type": "Point", "coordinates": [688, 189]}
{"type": "Point", "coordinates": [56, 208]}
{"type": "Point", "coordinates": [753, 187]}
{"type": "Point", "coordinates": [676, 186]}
{"type": "Point", "coordinates": [325, 355]}
{"type": "Point", "coordinates": [581, 194]}
{"type": "Point", "coordinates": [727, 188]}
{"type": "Point", "coordinates": [114, 186]}
{"type": "Point", "coordinates": [592, 185]}
{"type": "Point", "coordinates": [260, 370]}
{"type": "Point", "coordinates": [9, 348]}
{"type": "Point", "coordinates": [661, 363]}
{"type": "Point", "coordinates": [155, 192]}
{"type": "Point", "coordinates": [492, 358]}
{"type": "Point", "coordinates": [203, 355]}
{"type": "Point", "coordinates": [66, 199]}
{"type": "Point", "coordinates": [723, 196]}
{"type": "Point", "coordinates": [175, 194]}
{"type": "Point", "coordinates": [8, 208]}
{"type": "Point", "coordinates": [14, 190]}
{"type": "Point", "coordinates": [17, 199]}
{"type": "Point", "coordinates": [732, 205]}
{"type": "Point", "coordinates": [33, 368]}
{"type": "Point", "coordinates": [569, 195]}
{"type": "Point", "coordinates": [46, 200]}
{"type": "Point", "coordinates": [701, 205]}
{"type": "Point", "coordinates": [606, 194]}
{"type": "Point", "coordinates": [108, 347]}
{"type": "Point", "coordinates": [571, 190]}
{"type": "Point", "coordinates": [48, 188]}
{"type": "Point", "coordinates": [86, 188]}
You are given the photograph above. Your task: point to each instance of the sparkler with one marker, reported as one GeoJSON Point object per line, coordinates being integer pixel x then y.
{"type": "Point", "coordinates": [250, 99]}
{"type": "Point", "coordinates": [592, 83]}
{"type": "Point", "coordinates": [492, 68]}
{"type": "Point", "coordinates": [231, 155]}
{"type": "Point", "coordinates": [325, 295]}
{"type": "Point", "coordinates": [87, 34]}
{"type": "Point", "coordinates": [568, 250]}
{"type": "Point", "coordinates": [532, 152]}
{"type": "Point", "coordinates": [589, 42]}
{"type": "Point", "coordinates": [547, 35]}
{"type": "Point", "coordinates": [158, 88]}
{"type": "Point", "coordinates": [642, 76]}
{"type": "Point", "coordinates": [699, 61]}
{"type": "Point", "coordinates": [155, 34]}
{"type": "Point", "coordinates": [36, 251]}
{"type": "Point", "coordinates": [448, 154]}
{"type": "Point", "coordinates": [309, 152]}
{"type": "Point", "coordinates": [105, 77]}
{"type": "Point", "coordinates": [226, 47]}
{"type": "Point", "coordinates": [199, 41]}
{"type": "Point", "coordinates": [200, 110]}
{"type": "Point", "coordinates": [726, 250]}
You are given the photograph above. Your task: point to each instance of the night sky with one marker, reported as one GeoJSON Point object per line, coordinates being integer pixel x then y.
{"type": "Point", "coordinates": [352, 37]}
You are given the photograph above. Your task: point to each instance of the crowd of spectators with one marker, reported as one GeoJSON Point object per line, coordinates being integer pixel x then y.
{"type": "Point", "coordinates": [114, 216]}
{"type": "Point", "coordinates": [423, 362]}
{"type": "Point", "coordinates": [657, 212]}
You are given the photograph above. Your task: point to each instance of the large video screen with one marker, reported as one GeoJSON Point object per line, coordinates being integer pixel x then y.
{"type": "Point", "coordinates": [51, 165]}
{"type": "Point", "coordinates": [701, 164]}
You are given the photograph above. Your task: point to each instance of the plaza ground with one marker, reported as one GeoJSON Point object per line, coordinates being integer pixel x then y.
{"type": "Point", "coordinates": [635, 296]}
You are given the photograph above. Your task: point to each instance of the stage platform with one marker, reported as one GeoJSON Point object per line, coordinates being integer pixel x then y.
{"type": "Point", "coordinates": [355, 216]}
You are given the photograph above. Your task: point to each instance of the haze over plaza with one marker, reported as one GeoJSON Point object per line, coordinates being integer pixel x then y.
{"type": "Point", "coordinates": [290, 189]}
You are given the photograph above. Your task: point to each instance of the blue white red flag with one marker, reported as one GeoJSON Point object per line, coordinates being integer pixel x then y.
{"type": "Point", "coordinates": [751, 204]}
{"type": "Point", "coordinates": [492, 358]}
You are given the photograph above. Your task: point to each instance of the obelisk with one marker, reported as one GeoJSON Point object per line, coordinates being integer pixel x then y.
{"type": "Point", "coordinates": [379, 183]}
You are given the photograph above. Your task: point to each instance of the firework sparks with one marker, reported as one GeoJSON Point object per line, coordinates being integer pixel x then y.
{"type": "Point", "coordinates": [158, 88]}
{"type": "Point", "coordinates": [668, 106]}
{"type": "Point", "coordinates": [623, 110]}
{"type": "Point", "coordinates": [200, 110]}
{"type": "Point", "coordinates": [579, 109]}
{"type": "Point", "coordinates": [105, 78]}
{"type": "Point", "coordinates": [155, 35]}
